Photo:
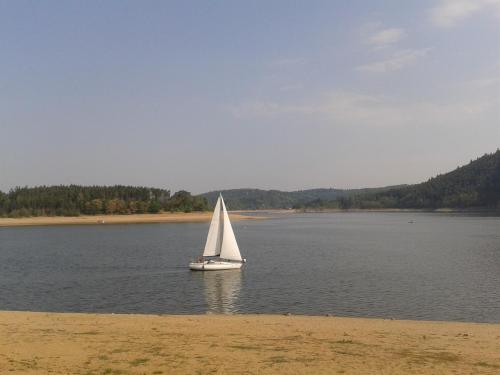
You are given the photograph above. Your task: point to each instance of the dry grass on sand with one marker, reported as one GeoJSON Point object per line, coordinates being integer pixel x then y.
{"type": "Point", "coordinates": [40, 343]}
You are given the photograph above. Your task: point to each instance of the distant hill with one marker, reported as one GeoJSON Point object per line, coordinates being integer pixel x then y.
{"type": "Point", "coordinates": [475, 185]}
{"type": "Point", "coordinates": [255, 199]}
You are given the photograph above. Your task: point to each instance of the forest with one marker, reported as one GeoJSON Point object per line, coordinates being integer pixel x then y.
{"type": "Point", "coordinates": [75, 200]}
{"type": "Point", "coordinates": [475, 185]}
{"type": "Point", "coordinates": [256, 199]}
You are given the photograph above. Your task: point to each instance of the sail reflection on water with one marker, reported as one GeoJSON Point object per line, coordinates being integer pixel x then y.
{"type": "Point", "coordinates": [222, 290]}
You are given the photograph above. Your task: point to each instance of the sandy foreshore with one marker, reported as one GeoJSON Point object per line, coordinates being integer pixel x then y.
{"type": "Point", "coordinates": [176, 217]}
{"type": "Point", "coordinates": [40, 343]}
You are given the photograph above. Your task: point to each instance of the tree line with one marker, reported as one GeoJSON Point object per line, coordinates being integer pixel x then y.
{"type": "Point", "coordinates": [74, 200]}
{"type": "Point", "coordinates": [255, 199]}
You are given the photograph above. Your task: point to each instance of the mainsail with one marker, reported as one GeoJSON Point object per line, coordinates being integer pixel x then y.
{"type": "Point", "coordinates": [214, 238]}
{"type": "Point", "coordinates": [229, 249]}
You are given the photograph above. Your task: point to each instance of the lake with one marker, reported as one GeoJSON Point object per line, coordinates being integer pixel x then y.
{"type": "Point", "coordinates": [428, 266]}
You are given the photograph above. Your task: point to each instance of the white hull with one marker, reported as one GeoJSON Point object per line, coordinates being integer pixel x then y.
{"type": "Point", "coordinates": [214, 265]}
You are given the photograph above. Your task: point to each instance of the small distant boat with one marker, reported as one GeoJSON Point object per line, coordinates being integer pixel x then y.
{"type": "Point", "coordinates": [221, 249]}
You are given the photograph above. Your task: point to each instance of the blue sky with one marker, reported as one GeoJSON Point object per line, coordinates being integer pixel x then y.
{"type": "Point", "coordinates": [210, 95]}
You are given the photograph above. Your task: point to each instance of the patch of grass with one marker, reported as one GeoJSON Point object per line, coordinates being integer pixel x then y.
{"type": "Point", "coordinates": [343, 341]}
{"type": "Point", "coordinates": [442, 356]}
{"type": "Point", "coordinates": [305, 359]}
{"type": "Point", "coordinates": [349, 342]}
{"type": "Point", "coordinates": [277, 359]}
{"type": "Point", "coordinates": [46, 330]}
{"type": "Point", "coordinates": [277, 349]}
{"type": "Point", "coordinates": [245, 347]}
{"type": "Point", "coordinates": [87, 333]}
{"type": "Point", "coordinates": [484, 364]}
{"type": "Point", "coordinates": [291, 338]}
{"type": "Point", "coordinates": [112, 371]}
{"type": "Point", "coordinates": [138, 361]}
{"type": "Point", "coordinates": [348, 353]}
{"type": "Point", "coordinates": [31, 364]}
{"type": "Point", "coordinates": [424, 357]}
{"type": "Point", "coordinates": [118, 350]}
{"type": "Point", "coordinates": [156, 350]}
{"type": "Point", "coordinates": [103, 357]}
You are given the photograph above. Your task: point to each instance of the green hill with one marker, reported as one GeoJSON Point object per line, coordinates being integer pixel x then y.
{"type": "Point", "coordinates": [255, 199]}
{"type": "Point", "coordinates": [475, 185]}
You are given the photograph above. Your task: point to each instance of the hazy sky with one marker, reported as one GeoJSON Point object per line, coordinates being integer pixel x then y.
{"type": "Point", "coordinates": [223, 94]}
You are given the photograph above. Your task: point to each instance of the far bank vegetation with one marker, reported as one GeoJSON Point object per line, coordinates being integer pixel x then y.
{"type": "Point", "coordinates": [75, 200]}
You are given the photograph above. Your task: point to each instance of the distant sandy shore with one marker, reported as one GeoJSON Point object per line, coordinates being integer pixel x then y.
{"type": "Point", "coordinates": [177, 217]}
{"type": "Point", "coordinates": [493, 211]}
{"type": "Point", "coordinates": [410, 210]}
{"type": "Point", "coordinates": [40, 343]}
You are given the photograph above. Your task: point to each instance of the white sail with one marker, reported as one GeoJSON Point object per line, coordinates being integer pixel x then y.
{"type": "Point", "coordinates": [214, 238]}
{"type": "Point", "coordinates": [229, 249]}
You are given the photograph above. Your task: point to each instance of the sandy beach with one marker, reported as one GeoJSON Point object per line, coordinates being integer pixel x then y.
{"type": "Point", "coordinates": [176, 217]}
{"type": "Point", "coordinates": [36, 343]}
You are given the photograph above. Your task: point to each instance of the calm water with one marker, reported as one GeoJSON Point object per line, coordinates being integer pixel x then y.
{"type": "Point", "coordinates": [438, 267]}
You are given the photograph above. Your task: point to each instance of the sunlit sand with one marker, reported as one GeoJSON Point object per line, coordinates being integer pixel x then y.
{"type": "Point", "coordinates": [39, 343]}
{"type": "Point", "coordinates": [176, 217]}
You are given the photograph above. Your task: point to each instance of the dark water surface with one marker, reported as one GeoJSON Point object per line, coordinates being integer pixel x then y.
{"type": "Point", "coordinates": [401, 265]}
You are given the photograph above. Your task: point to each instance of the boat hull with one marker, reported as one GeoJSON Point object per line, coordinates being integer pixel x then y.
{"type": "Point", "coordinates": [214, 265]}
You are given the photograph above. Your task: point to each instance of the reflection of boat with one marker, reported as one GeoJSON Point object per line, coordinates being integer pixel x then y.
{"type": "Point", "coordinates": [221, 249]}
{"type": "Point", "coordinates": [222, 290]}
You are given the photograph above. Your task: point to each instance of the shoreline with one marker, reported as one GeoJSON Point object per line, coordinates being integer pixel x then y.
{"type": "Point", "coordinates": [175, 217]}
{"type": "Point", "coordinates": [60, 343]}
{"type": "Point", "coordinates": [395, 210]}
{"type": "Point", "coordinates": [196, 217]}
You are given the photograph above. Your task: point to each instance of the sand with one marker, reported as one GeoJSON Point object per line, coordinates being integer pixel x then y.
{"type": "Point", "coordinates": [176, 217]}
{"type": "Point", "coordinates": [40, 343]}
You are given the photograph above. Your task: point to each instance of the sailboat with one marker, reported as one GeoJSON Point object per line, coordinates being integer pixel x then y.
{"type": "Point", "coordinates": [221, 249]}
